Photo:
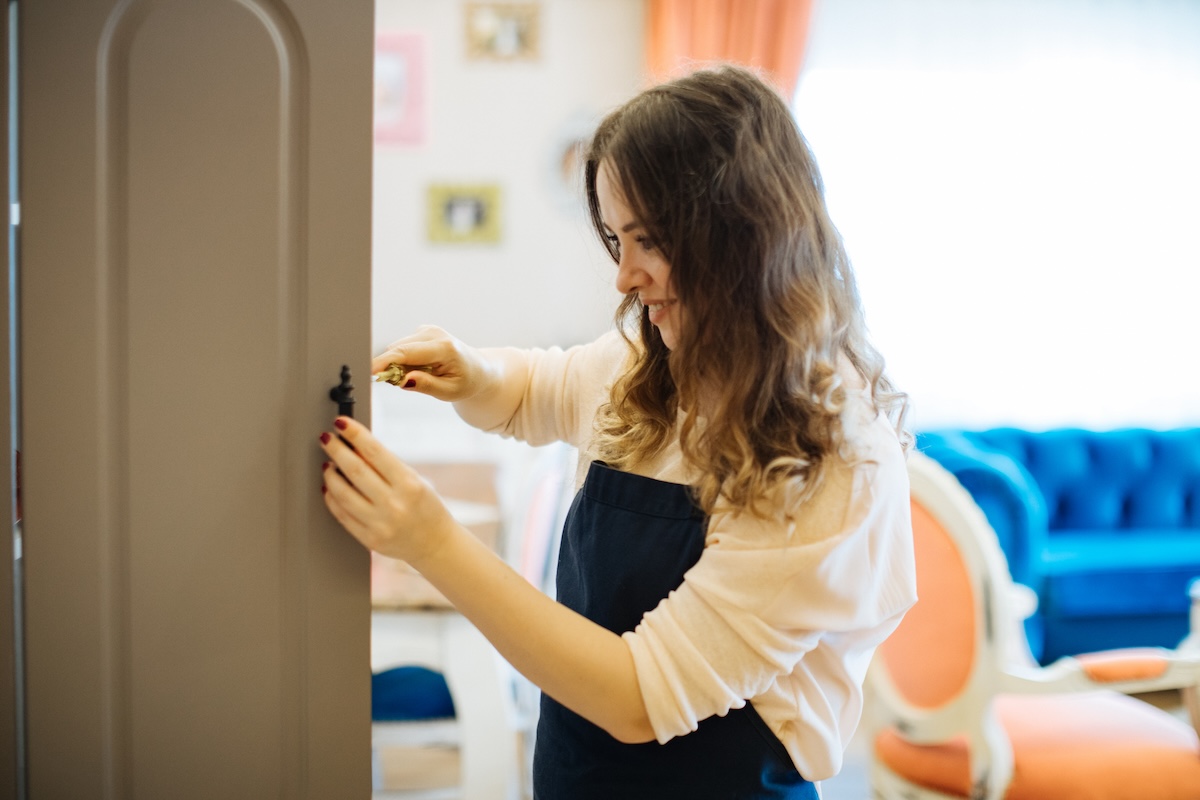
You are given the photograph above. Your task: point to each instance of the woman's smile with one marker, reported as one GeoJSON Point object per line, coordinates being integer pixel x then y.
{"type": "Point", "coordinates": [658, 311]}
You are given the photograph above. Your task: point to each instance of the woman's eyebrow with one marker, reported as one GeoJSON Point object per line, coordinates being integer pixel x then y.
{"type": "Point", "coordinates": [626, 228]}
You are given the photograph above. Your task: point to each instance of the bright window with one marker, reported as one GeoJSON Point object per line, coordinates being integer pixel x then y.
{"type": "Point", "coordinates": [1018, 185]}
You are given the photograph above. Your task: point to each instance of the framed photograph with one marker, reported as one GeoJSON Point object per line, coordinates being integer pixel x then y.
{"type": "Point", "coordinates": [466, 214]}
{"type": "Point", "coordinates": [502, 31]}
{"type": "Point", "coordinates": [400, 88]}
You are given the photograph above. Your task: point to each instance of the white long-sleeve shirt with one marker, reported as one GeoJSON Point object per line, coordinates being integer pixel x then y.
{"type": "Point", "coordinates": [783, 614]}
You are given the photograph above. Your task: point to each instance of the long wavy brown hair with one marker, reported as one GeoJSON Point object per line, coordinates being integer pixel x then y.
{"type": "Point", "coordinates": [715, 168]}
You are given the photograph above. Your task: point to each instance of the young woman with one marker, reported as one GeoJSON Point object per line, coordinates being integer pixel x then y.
{"type": "Point", "coordinates": [741, 542]}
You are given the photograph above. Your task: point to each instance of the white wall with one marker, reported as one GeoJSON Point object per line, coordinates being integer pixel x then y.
{"type": "Point", "coordinates": [547, 282]}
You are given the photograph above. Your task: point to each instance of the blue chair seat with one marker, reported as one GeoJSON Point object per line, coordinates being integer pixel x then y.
{"type": "Point", "coordinates": [410, 693]}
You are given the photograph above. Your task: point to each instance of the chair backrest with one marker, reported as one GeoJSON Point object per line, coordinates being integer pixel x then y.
{"type": "Point", "coordinates": [948, 643]}
{"type": "Point", "coordinates": [538, 516]}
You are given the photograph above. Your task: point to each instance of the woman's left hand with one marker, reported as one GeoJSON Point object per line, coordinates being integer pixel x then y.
{"type": "Point", "coordinates": [378, 498]}
{"type": "Point", "coordinates": [392, 510]}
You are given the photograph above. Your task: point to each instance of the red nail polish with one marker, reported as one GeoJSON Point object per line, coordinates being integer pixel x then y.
{"type": "Point", "coordinates": [323, 489]}
{"type": "Point", "coordinates": [325, 437]}
{"type": "Point", "coordinates": [410, 383]}
{"type": "Point", "coordinates": [325, 466]}
{"type": "Point", "coordinates": [340, 424]}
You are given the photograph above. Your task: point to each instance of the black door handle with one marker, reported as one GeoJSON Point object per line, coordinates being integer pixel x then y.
{"type": "Point", "coordinates": [343, 395]}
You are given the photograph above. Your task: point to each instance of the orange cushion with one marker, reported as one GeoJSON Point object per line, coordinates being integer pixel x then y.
{"type": "Point", "coordinates": [1127, 664]}
{"type": "Point", "coordinates": [1087, 746]}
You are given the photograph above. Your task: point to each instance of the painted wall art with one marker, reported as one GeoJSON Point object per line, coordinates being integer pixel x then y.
{"type": "Point", "coordinates": [502, 31]}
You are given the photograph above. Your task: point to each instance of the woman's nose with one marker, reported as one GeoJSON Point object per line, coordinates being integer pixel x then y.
{"type": "Point", "coordinates": [628, 275]}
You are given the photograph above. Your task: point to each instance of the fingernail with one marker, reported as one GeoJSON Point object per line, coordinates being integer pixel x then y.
{"type": "Point", "coordinates": [410, 383]}
{"type": "Point", "coordinates": [340, 424]}
{"type": "Point", "coordinates": [325, 466]}
{"type": "Point", "coordinates": [325, 437]}
{"type": "Point", "coordinates": [323, 489]}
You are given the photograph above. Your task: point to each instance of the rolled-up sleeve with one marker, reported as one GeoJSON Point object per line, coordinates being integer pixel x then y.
{"type": "Point", "coordinates": [563, 389]}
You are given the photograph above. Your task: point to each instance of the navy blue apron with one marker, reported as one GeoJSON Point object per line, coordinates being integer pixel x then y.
{"type": "Point", "coordinates": [626, 544]}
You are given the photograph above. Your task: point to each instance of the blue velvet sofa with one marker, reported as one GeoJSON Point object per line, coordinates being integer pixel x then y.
{"type": "Point", "coordinates": [1103, 525]}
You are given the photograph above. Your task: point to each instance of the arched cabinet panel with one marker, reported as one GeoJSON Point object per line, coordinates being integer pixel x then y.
{"type": "Point", "coordinates": [195, 191]}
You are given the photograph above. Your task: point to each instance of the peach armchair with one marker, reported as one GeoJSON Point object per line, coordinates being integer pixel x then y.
{"type": "Point", "coordinates": [960, 709]}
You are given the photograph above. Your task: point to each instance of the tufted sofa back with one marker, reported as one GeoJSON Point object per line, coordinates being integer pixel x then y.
{"type": "Point", "coordinates": [1104, 526]}
{"type": "Point", "coordinates": [1114, 480]}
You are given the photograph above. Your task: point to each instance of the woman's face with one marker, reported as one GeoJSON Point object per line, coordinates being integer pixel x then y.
{"type": "Point", "coordinates": [641, 268]}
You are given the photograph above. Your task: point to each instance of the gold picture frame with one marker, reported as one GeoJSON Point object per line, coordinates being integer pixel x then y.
{"type": "Point", "coordinates": [502, 31]}
{"type": "Point", "coordinates": [464, 213]}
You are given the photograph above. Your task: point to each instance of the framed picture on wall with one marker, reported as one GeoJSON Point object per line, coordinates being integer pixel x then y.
{"type": "Point", "coordinates": [461, 213]}
{"type": "Point", "coordinates": [400, 101]}
{"type": "Point", "coordinates": [502, 31]}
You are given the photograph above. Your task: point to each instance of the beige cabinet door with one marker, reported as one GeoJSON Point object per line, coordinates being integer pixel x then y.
{"type": "Point", "coordinates": [194, 272]}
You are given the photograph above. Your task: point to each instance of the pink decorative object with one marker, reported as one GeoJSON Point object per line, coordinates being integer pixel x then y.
{"type": "Point", "coordinates": [400, 88]}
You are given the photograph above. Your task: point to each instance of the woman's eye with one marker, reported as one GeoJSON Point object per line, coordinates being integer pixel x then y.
{"type": "Point", "coordinates": [646, 242]}
{"type": "Point", "coordinates": [612, 240]}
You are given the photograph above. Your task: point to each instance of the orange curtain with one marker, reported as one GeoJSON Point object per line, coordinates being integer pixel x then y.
{"type": "Point", "coordinates": [769, 35]}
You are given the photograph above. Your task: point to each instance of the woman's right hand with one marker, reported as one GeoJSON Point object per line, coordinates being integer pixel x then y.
{"type": "Point", "coordinates": [438, 365]}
